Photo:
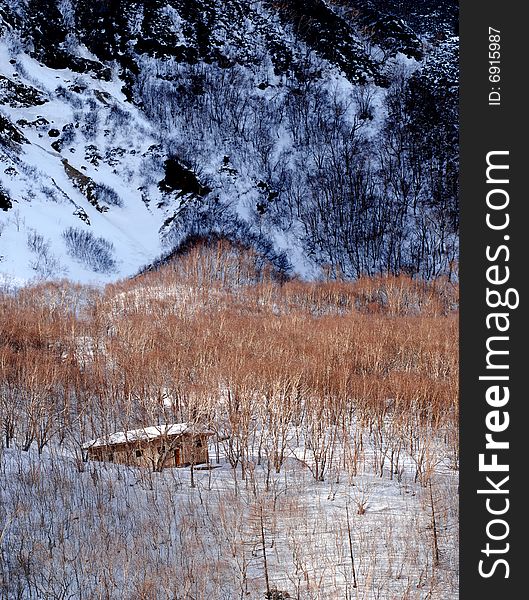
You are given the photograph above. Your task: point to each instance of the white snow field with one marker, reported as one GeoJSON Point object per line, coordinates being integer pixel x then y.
{"type": "Point", "coordinates": [49, 199]}
{"type": "Point", "coordinates": [99, 530]}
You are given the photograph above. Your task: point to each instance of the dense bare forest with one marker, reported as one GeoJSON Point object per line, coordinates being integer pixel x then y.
{"type": "Point", "coordinates": [333, 468]}
{"type": "Point", "coordinates": [322, 133]}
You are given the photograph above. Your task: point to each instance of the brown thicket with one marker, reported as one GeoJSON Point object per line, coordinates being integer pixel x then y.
{"type": "Point", "coordinates": [313, 389]}
{"type": "Point", "coordinates": [213, 337]}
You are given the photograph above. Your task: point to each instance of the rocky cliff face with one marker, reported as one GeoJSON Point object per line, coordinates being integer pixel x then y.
{"type": "Point", "coordinates": [324, 134]}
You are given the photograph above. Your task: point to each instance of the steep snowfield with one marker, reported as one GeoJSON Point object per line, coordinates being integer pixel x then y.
{"type": "Point", "coordinates": [78, 132]}
{"type": "Point", "coordinates": [48, 199]}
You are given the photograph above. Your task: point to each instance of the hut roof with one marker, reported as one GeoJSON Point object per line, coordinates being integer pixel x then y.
{"type": "Point", "coordinates": [145, 434]}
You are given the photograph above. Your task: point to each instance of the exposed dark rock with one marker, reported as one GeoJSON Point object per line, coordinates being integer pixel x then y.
{"type": "Point", "coordinates": [332, 37]}
{"type": "Point", "coordinates": [19, 95]}
{"type": "Point", "coordinates": [180, 178]}
{"type": "Point", "coordinates": [10, 134]}
{"type": "Point", "coordinates": [38, 123]}
{"type": "Point", "coordinates": [5, 200]}
{"type": "Point", "coordinates": [258, 82]}
{"type": "Point", "coordinates": [81, 213]}
{"type": "Point", "coordinates": [84, 184]}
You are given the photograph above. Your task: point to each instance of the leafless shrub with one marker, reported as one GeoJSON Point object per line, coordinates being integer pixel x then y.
{"type": "Point", "coordinates": [45, 263]}
{"type": "Point", "coordinates": [94, 252]}
{"type": "Point", "coordinates": [108, 195]}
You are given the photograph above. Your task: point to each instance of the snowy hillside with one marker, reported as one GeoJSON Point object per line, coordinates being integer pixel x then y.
{"type": "Point", "coordinates": [323, 135]}
{"type": "Point", "coordinates": [80, 164]}
{"type": "Point", "coordinates": [332, 417]}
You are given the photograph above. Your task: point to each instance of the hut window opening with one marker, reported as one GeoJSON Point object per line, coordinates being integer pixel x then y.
{"type": "Point", "coordinates": [139, 453]}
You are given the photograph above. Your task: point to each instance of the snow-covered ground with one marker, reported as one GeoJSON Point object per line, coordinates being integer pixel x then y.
{"type": "Point", "coordinates": [103, 530]}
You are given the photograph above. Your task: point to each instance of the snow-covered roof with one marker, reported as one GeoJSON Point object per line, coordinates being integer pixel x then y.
{"type": "Point", "coordinates": [145, 433]}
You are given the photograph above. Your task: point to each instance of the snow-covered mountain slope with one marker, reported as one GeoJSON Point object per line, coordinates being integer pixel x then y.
{"type": "Point", "coordinates": [76, 156]}
{"type": "Point", "coordinates": [126, 127]}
